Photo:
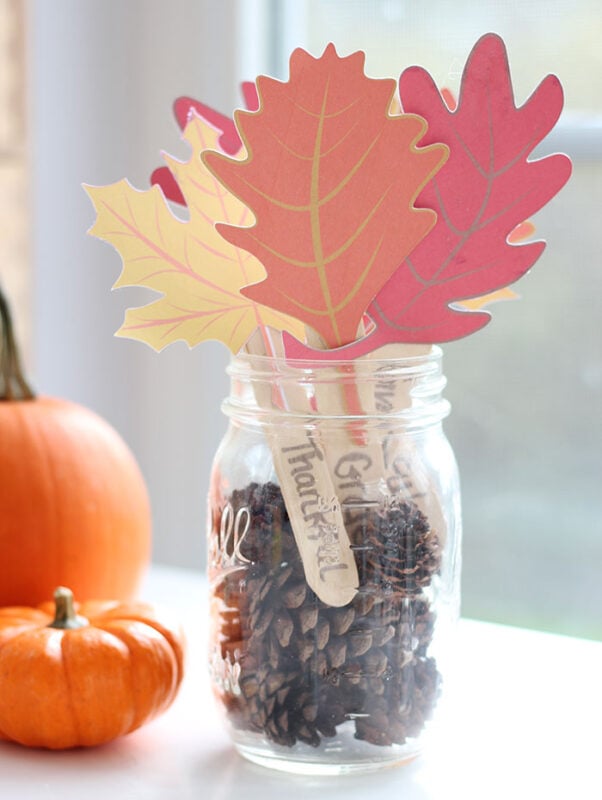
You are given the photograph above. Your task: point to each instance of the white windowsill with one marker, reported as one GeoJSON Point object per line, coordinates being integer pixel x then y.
{"type": "Point", "coordinates": [523, 722]}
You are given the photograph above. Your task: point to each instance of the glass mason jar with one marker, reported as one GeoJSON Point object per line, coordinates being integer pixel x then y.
{"type": "Point", "coordinates": [334, 560]}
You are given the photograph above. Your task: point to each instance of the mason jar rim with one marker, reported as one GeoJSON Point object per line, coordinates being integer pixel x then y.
{"type": "Point", "coordinates": [260, 364]}
{"type": "Point", "coordinates": [275, 390]}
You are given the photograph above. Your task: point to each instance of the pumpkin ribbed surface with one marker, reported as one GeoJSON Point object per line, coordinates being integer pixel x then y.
{"type": "Point", "coordinates": [73, 504]}
{"type": "Point", "coordinates": [68, 688]}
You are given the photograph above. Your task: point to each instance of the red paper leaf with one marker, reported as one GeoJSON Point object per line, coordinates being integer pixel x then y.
{"type": "Point", "coordinates": [331, 178]}
{"type": "Point", "coordinates": [250, 96]}
{"type": "Point", "coordinates": [229, 140]}
{"type": "Point", "coordinates": [163, 178]}
{"type": "Point", "coordinates": [486, 188]}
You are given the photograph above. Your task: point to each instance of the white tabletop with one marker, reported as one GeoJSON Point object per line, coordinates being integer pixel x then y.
{"type": "Point", "coordinates": [524, 721]}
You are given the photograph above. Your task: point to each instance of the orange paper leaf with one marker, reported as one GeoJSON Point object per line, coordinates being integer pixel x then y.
{"type": "Point", "coordinates": [197, 272]}
{"type": "Point", "coordinates": [331, 178]}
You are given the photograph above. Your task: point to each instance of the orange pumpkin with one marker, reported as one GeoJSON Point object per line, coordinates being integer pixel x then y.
{"type": "Point", "coordinates": [74, 508]}
{"type": "Point", "coordinates": [91, 674]}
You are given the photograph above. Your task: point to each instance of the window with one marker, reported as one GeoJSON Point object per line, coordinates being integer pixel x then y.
{"type": "Point", "coordinates": [526, 391]}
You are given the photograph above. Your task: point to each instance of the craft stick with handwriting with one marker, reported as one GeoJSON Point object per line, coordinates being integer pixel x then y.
{"type": "Point", "coordinates": [306, 485]}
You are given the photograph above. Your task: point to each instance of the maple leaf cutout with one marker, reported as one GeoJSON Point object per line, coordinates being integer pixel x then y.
{"type": "Point", "coordinates": [484, 191]}
{"type": "Point", "coordinates": [229, 140]}
{"type": "Point", "coordinates": [331, 178]}
{"type": "Point", "coordinates": [197, 272]}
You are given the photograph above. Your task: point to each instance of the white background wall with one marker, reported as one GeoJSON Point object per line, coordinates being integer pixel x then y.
{"type": "Point", "coordinates": [103, 76]}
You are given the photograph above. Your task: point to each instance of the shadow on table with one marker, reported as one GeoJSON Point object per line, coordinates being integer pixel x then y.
{"type": "Point", "coordinates": [225, 774]}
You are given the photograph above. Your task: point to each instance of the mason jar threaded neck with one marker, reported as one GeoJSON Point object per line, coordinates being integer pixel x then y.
{"type": "Point", "coordinates": [272, 390]}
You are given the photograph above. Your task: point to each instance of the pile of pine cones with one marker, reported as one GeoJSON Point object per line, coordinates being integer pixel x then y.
{"type": "Point", "coordinates": [306, 667]}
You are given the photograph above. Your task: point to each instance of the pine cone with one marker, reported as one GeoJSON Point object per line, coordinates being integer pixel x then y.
{"type": "Point", "coordinates": [269, 540]}
{"type": "Point", "coordinates": [306, 667]}
{"type": "Point", "coordinates": [396, 551]}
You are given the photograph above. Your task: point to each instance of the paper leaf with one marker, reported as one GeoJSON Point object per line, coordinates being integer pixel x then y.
{"type": "Point", "coordinates": [229, 139]}
{"type": "Point", "coordinates": [331, 179]}
{"type": "Point", "coordinates": [163, 178]}
{"type": "Point", "coordinates": [522, 231]}
{"type": "Point", "coordinates": [477, 303]}
{"type": "Point", "coordinates": [198, 273]}
{"type": "Point", "coordinates": [487, 187]}
{"type": "Point", "coordinates": [250, 96]}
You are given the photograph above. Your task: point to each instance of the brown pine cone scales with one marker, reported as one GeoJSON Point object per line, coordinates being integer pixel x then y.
{"type": "Point", "coordinates": [306, 667]}
{"type": "Point", "coordinates": [396, 551]}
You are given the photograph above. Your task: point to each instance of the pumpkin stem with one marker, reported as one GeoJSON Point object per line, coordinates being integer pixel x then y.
{"type": "Point", "coordinates": [65, 618]}
{"type": "Point", "coordinates": [13, 385]}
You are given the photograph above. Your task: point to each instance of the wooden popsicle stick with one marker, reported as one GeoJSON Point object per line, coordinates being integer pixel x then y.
{"type": "Point", "coordinates": [355, 461]}
{"type": "Point", "coordinates": [306, 486]}
{"type": "Point", "coordinates": [368, 469]}
{"type": "Point", "coordinates": [405, 473]}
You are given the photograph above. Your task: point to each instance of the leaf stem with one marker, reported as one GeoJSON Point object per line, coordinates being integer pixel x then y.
{"type": "Point", "coordinates": [65, 618]}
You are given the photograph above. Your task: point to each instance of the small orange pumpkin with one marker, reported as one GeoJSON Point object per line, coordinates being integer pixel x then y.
{"type": "Point", "coordinates": [86, 675]}
{"type": "Point", "coordinates": [74, 508]}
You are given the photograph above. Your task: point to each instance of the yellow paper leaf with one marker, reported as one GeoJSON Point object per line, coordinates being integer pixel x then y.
{"type": "Point", "coordinates": [198, 273]}
{"type": "Point", "coordinates": [476, 303]}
